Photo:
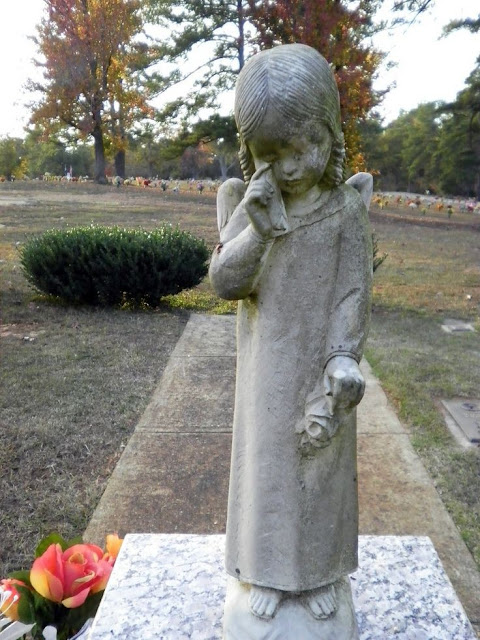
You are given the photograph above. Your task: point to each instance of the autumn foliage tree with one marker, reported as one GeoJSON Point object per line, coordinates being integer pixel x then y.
{"type": "Point", "coordinates": [338, 31]}
{"type": "Point", "coordinates": [92, 67]}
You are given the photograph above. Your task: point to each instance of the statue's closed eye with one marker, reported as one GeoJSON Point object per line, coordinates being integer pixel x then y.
{"type": "Point", "coordinates": [269, 158]}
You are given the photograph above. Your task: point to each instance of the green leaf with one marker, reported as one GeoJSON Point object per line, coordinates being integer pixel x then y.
{"type": "Point", "coordinates": [26, 609]}
{"type": "Point", "coordinates": [77, 617]}
{"type": "Point", "coordinates": [40, 603]}
{"type": "Point", "coordinates": [23, 575]}
{"type": "Point", "coordinates": [46, 612]}
{"type": "Point", "coordinates": [53, 538]}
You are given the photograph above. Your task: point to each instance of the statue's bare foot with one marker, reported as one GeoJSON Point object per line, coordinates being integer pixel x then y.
{"type": "Point", "coordinates": [322, 603]}
{"type": "Point", "coordinates": [264, 602]}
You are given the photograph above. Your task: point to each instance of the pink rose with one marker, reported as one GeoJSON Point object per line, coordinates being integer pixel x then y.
{"type": "Point", "coordinates": [70, 576]}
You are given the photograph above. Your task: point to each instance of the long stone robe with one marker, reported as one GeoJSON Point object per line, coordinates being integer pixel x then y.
{"type": "Point", "coordinates": [305, 297]}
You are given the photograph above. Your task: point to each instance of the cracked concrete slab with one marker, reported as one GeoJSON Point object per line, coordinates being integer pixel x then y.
{"type": "Point", "coordinates": [207, 381]}
{"type": "Point", "coordinates": [166, 483]}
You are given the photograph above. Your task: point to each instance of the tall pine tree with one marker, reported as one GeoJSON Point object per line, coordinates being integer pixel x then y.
{"type": "Point", "coordinates": [206, 40]}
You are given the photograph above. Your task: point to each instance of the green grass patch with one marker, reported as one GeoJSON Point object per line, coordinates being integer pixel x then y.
{"type": "Point", "coordinates": [417, 364]}
{"type": "Point", "coordinates": [200, 301]}
{"type": "Point", "coordinates": [430, 269]}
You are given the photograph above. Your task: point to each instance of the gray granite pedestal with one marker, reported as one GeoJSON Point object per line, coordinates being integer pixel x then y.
{"type": "Point", "coordinates": [172, 587]}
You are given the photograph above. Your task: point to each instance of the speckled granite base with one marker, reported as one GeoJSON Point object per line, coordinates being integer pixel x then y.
{"type": "Point", "coordinates": [172, 587]}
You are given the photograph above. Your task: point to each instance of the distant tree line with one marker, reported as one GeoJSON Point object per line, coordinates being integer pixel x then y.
{"type": "Point", "coordinates": [434, 147]}
{"type": "Point", "coordinates": [37, 156]}
{"type": "Point", "coordinates": [426, 149]}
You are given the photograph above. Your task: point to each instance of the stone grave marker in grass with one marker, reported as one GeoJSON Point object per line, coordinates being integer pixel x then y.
{"type": "Point", "coordinates": [456, 326]}
{"type": "Point", "coordinates": [466, 414]}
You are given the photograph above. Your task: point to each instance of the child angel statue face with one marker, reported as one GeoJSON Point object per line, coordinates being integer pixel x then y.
{"type": "Point", "coordinates": [298, 161]}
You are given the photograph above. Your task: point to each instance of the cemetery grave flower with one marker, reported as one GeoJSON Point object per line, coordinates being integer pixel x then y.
{"type": "Point", "coordinates": [70, 576]}
{"type": "Point", "coordinates": [113, 545]}
{"type": "Point", "coordinates": [10, 598]}
{"type": "Point", "coordinates": [10, 627]}
{"type": "Point", "coordinates": [62, 590]}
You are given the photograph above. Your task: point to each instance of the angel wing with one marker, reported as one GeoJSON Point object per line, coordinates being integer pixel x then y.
{"type": "Point", "coordinates": [363, 183]}
{"type": "Point", "coordinates": [229, 196]}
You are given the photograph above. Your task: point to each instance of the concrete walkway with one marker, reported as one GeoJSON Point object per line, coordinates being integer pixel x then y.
{"type": "Point", "coordinates": [173, 474]}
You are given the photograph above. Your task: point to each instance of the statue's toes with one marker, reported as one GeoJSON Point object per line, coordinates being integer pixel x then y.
{"type": "Point", "coordinates": [316, 609]}
{"type": "Point", "coordinates": [322, 604]}
{"type": "Point", "coordinates": [255, 602]}
{"type": "Point", "coordinates": [328, 605]}
{"type": "Point", "coordinates": [263, 603]}
{"type": "Point", "coordinates": [271, 608]}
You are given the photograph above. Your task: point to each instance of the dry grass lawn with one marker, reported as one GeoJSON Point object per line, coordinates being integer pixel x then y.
{"type": "Point", "coordinates": [432, 273]}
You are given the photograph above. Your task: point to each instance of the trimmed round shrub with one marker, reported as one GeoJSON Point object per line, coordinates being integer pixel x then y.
{"type": "Point", "coordinates": [109, 265]}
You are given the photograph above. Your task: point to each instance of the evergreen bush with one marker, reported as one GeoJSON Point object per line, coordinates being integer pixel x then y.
{"type": "Point", "coordinates": [109, 265]}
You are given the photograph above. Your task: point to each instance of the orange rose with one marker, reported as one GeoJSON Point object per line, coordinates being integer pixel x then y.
{"type": "Point", "coordinates": [112, 547]}
{"type": "Point", "coordinates": [46, 574]}
{"type": "Point", "coordinates": [9, 605]}
{"type": "Point", "coordinates": [70, 576]}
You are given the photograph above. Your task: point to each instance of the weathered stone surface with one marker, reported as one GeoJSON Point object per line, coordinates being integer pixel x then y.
{"type": "Point", "coordinates": [466, 413]}
{"type": "Point", "coordinates": [181, 482]}
{"type": "Point", "coordinates": [208, 380]}
{"type": "Point", "coordinates": [173, 474]}
{"type": "Point", "coordinates": [457, 326]}
{"type": "Point", "coordinates": [397, 496]}
{"type": "Point", "coordinates": [293, 617]}
{"type": "Point", "coordinates": [207, 336]}
{"type": "Point", "coordinates": [394, 486]}
{"type": "Point", "coordinates": [296, 252]}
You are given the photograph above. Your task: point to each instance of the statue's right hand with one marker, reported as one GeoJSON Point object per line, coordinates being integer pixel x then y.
{"type": "Point", "coordinates": [256, 201]}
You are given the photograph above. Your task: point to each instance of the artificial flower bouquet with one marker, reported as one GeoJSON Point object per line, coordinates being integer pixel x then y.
{"type": "Point", "coordinates": [62, 589]}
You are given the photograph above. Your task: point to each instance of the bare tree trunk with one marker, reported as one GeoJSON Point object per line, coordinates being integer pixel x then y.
{"type": "Point", "coordinates": [223, 168]}
{"type": "Point", "coordinates": [99, 176]}
{"type": "Point", "coordinates": [118, 132]}
{"type": "Point", "coordinates": [241, 34]}
{"type": "Point", "coordinates": [120, 163]}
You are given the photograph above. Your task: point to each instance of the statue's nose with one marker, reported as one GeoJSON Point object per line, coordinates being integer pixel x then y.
{"type": "Point", "coordinates": [289, 166]}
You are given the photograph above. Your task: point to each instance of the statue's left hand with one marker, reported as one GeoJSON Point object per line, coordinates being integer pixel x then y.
{"type": "Point", "coordinates": [343, 383]}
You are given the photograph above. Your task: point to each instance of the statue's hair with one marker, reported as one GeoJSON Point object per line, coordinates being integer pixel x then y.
{"type": "Point", "coordinates": [295, 81]}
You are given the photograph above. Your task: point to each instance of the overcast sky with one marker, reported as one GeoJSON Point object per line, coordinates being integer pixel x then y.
{"type": "Point", "coordinates": [427, 68]}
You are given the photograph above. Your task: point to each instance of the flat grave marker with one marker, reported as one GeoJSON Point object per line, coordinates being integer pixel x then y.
{"type": "Point", "coordinates": [466, 413]}
{"type": "Point", "coordinates": [456, 326]}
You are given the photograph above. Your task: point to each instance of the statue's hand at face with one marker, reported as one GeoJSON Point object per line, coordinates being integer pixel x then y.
{"type": "Point", "coordinates": [264, 204]}
{"type": "Point", "coordinates": [298, 163]}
